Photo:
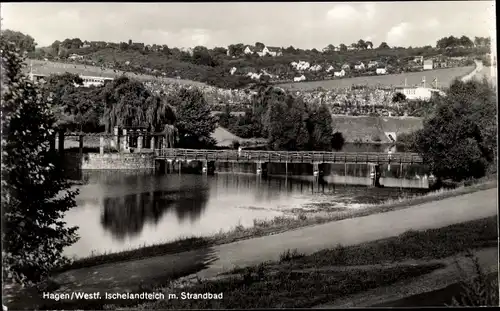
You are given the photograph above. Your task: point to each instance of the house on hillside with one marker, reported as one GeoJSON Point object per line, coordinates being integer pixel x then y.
{"type": "Point", "coordinates": [381, 71]}
{"type": "Point", "coordinates": [75, 57]}
{"type": "Point", "coordinates": [346, 66]}
{"type": "Point", "coordinates": [339, 73]}
{"type": "Point", "coordinates": [249, 49]}
{"type": "Point", "coordinates": [418, 93]}
{"type": "Point", "coordinates": [372, 63]}
{"type": "Point", "coordinates": [86, 44]}
{"type": "Point", "coordinates": [359, 66]}
{"type": "Point", "coordinates": [330, 68]}
{"type": "Point", "coordinates": [298, 79]}
{"type": "Point", "coordinates": [418, 59]}
{"type": "Point", "coordinates": [428, 64]}
{"type": "Point", "coordinates": [273, 51]}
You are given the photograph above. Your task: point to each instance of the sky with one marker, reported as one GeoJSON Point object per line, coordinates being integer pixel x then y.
{"type": "Point", "coordinates": [303, 25]}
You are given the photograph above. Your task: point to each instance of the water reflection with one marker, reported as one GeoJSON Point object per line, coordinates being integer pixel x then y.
{"type": "Point", "coordinates": [122, 210]}
{"type": "Point", "coordinates": [126, 216]}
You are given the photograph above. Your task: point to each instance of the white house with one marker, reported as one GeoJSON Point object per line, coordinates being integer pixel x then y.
{"type": "Point", "coordinates": [315, 68]}
{"type": "Point", "coordinates": [381, 71]}
{"type": "Point", "coordinates": [248, 50]}
{"type": "Point", "coordinates": [75, 57]}
{"type": "Point", "coordinates": [94, 81]}
{"type": "Point", "coordinates": [232, 71]}
{"type": "Point", "coordinates": [330, 68]}
{"type": "Point", "coordinates": [339, 73]}
{"type": "Point", "coordinates": [422, 93]}
{"type": "Point", "coordinates": [298, 79]}
{"type": "Point", "coordinates": [428, 64]}
{"type": "Point", "coordinates": [254, 76]}
{"type": "Point", "coordinates": [273, 51]}
{"type": "Point", "coordinates": [301, 65]}
{"type": "Point", "coordinates": [359, 66]}
{"type": "Point", "coordinates": [372, 64]}
{"type": "Point", "coordinates": [346, 66]}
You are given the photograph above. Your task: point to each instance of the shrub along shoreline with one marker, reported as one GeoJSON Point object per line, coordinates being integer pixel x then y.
{"type": "Point", "coordinates": [274, 226]}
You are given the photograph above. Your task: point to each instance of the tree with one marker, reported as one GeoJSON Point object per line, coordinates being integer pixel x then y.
{"type": "Point", "coordinates": [25, 43]}
{"type": "Point", "coordinates": [124, 100]}
{"type": "Point", "coordinates": [362, 44]}
{"type": "Point", "coordinates": [343, 47]}
{"type": "Point", "coordinates": [194, 118]}
{"type": "Point", "coordinates": [259, 45]}
{"type": "Point", "coordinates": [60, 90]}
{"type": "Point", "coordinates": [286, 123]}
{"type": "Point", "coordinates": [35, 194]}
{"type": "Point", "coordinates": [236, 49]}
{"type": "Point", "coordinates": [466, 42]}
{"type": "Point", "coordinates": [398, 97]}
{"type": "Point", "coordinates": [319, 124]}
{"type": "Point", "coordinates": [337, 141]}
{"type": "Point", "coordinates": [384, 46]}
{"type": "Point", "coordinates": [459, 139]}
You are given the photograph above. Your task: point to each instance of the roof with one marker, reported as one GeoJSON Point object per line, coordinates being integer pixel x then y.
{"type": "Point", "coordinates": [273, 49]}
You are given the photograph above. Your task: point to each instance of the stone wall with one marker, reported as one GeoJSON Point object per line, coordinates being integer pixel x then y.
{"type": "Point", "coordinates": [117, 161]}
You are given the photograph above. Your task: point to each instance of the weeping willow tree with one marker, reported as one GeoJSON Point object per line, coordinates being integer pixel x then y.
{"type": "Point", "coordinates": [129, 104]}
{"type": "Point", "coordinates": [161, 116]}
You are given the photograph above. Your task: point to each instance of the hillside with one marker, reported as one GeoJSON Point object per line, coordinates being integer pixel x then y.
{"type": "Point", "coordinates": [445, 77]}
{"type": "Point", "coordinates": [48, 67]}
{"type": "Point", "coordinates": [365, 128]}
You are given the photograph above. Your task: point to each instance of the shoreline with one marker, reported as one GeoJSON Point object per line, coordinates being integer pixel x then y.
{"type": "Point", "coordinates": [270, 227]}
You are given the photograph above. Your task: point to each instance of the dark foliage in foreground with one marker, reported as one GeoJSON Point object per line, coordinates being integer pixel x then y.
{"type": "Point", "coordinates": [35, 194]}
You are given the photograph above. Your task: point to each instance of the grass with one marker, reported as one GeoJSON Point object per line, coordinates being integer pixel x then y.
{"type": "Point", "coordinates": [300, 281]}
{"type": "Point", "coordinates": [412, 245]}
{"type": "Point", "coordinates": [480, 290]}
{"type": "Point", "coordinates": [280, 288]}
{"type": "Point", "coordinates": [445, 77]}
{"type": "Point", "coordinates": [267, 227]}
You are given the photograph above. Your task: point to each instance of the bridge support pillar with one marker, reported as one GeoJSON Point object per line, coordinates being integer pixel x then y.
{"type": "Point", "coordinates": [139, 143]}
{"type": "Point", "coordinates": [316, 169]}
{"type": "Point", "coordinates": [101, 145]}
{"type": "Point", "coordinates": [152, 143]}
{"type": "Point", "coordinates": [61, 143]}
{"type": "Point", "coordinates": [115, 140]}
{"type": "Point", "coordinates": [375, 175]}
{"type": "Point", "coordinates": [261, 168]}
{"type": "Point", "coordinates": [124, 144]}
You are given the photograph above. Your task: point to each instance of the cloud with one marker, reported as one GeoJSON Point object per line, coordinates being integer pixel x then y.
{"type": "Point", "coordinates": [342, 12]}
{"type": "Point", "coordinates": [346, 12]}
{"type": "Point", "coordinates": [200, 37]}
{"type": "Point", "coordinates": [432, 23]}
{"type": "Point", "coordinates": [399, 34]}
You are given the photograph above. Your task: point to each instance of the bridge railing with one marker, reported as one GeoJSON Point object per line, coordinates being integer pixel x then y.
{"type": "Point", "coordinates": [284, 156]}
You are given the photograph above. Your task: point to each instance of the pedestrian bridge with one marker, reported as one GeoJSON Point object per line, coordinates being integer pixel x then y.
{"type": "Point", "coordinates": [285, 156]}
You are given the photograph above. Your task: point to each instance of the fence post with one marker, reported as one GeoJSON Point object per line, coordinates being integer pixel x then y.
{"type": "Point", "coordinates": [101, 145]}
{"type": "Point", "coordinates": [80, 145]}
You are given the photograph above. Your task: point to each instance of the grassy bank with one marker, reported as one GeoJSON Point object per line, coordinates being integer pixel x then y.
{"type": "Point", "coordinates": [268, 227]}
{"type": "Point", "coordinates": [299, 281]}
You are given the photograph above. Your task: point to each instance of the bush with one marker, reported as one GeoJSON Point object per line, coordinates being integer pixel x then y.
{"type": "Point", "coordinates": [458, 140]}
{"type": "Point", "coordinates": [338, 141]}
{"type": "Point", "coordinates": [376, 138]}
{"type": "Point", "coordinates": [35, 194]}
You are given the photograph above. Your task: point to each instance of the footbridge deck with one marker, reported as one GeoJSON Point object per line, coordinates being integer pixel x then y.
{"type": "Point", "coordinates": [286, 156]}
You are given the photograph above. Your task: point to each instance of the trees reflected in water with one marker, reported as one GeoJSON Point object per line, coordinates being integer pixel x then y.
{"type": "Point", "coordinates": [125, 216]}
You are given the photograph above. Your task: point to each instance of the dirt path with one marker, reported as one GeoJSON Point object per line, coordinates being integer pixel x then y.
{"type": "Point", "coordinates": [353, 231]}
{"type": "Point", "coordinates": [132, 275]}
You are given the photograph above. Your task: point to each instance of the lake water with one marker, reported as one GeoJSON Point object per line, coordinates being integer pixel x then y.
{"type": "Point", "coordinates": [120, 210]}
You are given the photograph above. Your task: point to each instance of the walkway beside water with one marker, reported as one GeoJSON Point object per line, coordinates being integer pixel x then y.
{"type": "Point", "coordinates": [223, 258]}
